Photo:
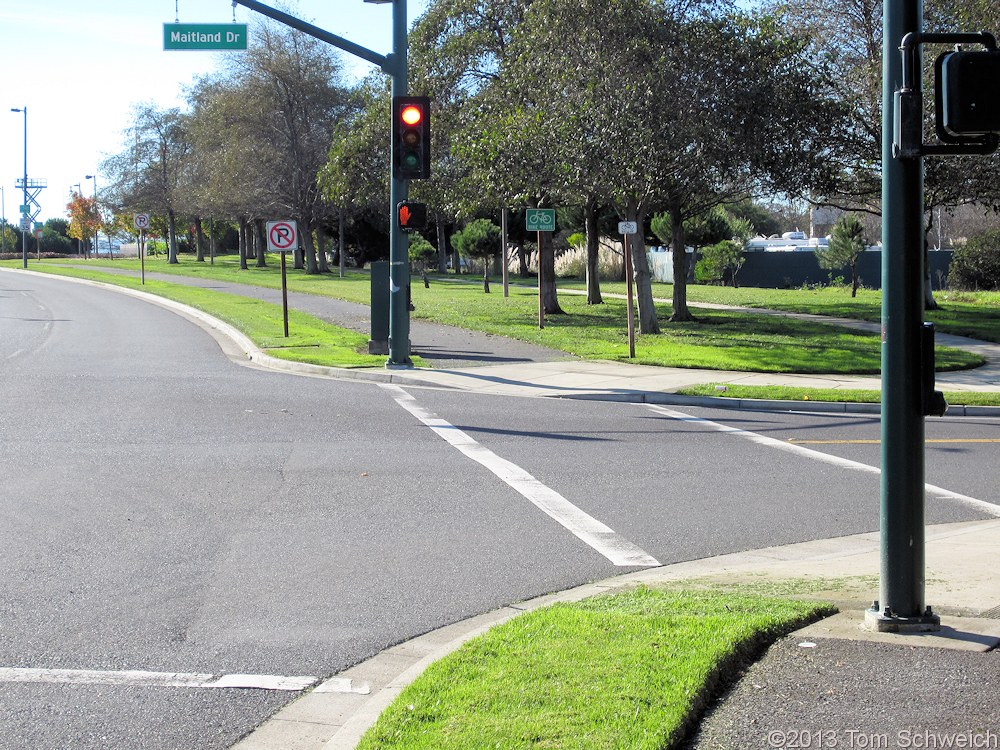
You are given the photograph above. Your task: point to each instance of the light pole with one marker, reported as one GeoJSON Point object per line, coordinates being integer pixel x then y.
{"type": "Point", "coordinates": [3, 220]}
{"type": "Point", "coordinates": [97, 229]}
{"type": "Point", "coordinates": [79, 193]}
{"type": "Point", "coordinates": [24, 186]}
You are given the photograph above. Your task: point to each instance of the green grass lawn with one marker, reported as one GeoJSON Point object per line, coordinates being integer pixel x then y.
{"type": "Point", "coordinates": [720, 340]}
{"type": "Point", "coordinates": [631, 670]}
{"type": "Point", "coordinates": [789, 393]}
{"type": "Point", "coordinates": [310, 339]}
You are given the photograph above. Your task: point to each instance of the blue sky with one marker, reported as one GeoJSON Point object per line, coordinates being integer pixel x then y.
{"type": "Point", "coordinates": [79, 66]}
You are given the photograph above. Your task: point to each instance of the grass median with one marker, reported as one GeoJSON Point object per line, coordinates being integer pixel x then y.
{"type": "Point", "coordinates": [718, 340]}
{"type": "Point", "coordinates": [629, 670]}
{"type": "Point", "coordinates": [310, 340]}
{"type": "Point", "coordinates": [792, 393]}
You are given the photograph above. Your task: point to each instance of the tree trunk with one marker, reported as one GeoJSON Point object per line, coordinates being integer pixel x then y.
{"type": "Point", "coordinates": [298, 252]}
{"type": "Point", "coordinates": [486, 274]}
{"type": "Point", "coordinates": [442, 247]}
{"type": "Point", "coordinates": [929, 302]}
{"type": "Point", "coordinates": [593, 248]}
{"type": "Point", "coordinates": [522, 262]}
{"type": "Point", "coordinates": [171, 236]}
{"type": "Point", "coordinates": [648, 322]}
{"type": "Point", "coordinates": [211, 240]}
{"type": "Point", "coordinates": [324, 263]}
{"type": "Point", "coordinates": [342, 251]}
{"type": "Point", "coordinates": [243, 243]}
{"type": "Point", "coordinates": [308, 247]}
{"type": "Point", "coordinates": [199, 240]}
{"type": "Point", "coordinates": [680, 314]}
{"type": "Point", "coordinates": [547, 266]}
{"type": "Point", "coordinates": [261, 242]}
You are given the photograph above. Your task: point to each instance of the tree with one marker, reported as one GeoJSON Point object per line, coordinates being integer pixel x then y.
{"type": "Point", "coordinates": [147, 176]}
{"type": "Point", "coordinates": [262, 131]}
{"type": "Point", "coordinates": [479, 239]}
{"type": "Point", "coordinates": [976, 264]}
{"type": "Point", "coordinates": [84, 220]}
{"type": "Point", "coordinates": [848, 34]}
{"type": "Point", "coordinates": [847, 242]}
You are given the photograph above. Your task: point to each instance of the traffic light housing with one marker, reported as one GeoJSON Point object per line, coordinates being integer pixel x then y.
{"type": "Point", "coordinates": [411, 137]}
{"type": "Point", "coordinates": [969, 94]}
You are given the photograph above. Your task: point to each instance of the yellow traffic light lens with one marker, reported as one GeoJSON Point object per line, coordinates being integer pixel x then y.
{"type": "Point", "coordinates": [411, 115]}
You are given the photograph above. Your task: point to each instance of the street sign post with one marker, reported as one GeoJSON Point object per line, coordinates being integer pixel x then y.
{"type": "Point", "coordinates": [540, 220]}
{"type": "Point", "coordinates": [204, 36]}
{"type": "Point", "coordinates": [283, 236]}
{"type": "Point", "coordinates": [626, 229]}
{"type": "Point", "coordinates": [141, 222]}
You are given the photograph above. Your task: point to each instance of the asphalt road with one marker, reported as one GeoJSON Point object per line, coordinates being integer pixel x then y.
{"type": "Point", "coordinates": [168, 510]}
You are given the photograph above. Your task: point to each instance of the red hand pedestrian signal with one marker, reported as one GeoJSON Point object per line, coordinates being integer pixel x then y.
{"type": "Point", "coordinates": [411, 216]}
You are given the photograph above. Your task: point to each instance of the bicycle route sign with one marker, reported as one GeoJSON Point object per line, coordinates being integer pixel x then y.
{"type": "Point", "coordinates": [540, 220]}
{"type": "Point", "coordinates": [282, 236]}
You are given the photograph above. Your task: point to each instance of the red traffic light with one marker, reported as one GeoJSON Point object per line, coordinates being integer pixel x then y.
{"type": "Point", "coordinates": [411, 114]}
{"type": "Point", "coordinates": [411, 138]}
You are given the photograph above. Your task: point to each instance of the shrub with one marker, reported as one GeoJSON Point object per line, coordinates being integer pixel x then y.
{"type": "Point", "coordinates": [573, 263]}
{"type": "Point", "coordinates": [976, 264]}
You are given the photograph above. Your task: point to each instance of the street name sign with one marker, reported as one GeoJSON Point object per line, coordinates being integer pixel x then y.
{"type": "Point", "coordinates": [204, 36]}
{"type": "Point", "coordinates": [540, 220]}
{"type": "Point", "coordinates": [282, 236]}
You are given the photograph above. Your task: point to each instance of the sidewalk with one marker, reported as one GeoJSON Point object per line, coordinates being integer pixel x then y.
{"type": "Point", "coordinates": [484, 363]}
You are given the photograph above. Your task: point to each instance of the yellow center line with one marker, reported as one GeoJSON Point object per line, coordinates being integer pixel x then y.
{"type": "Point", "coordinates": [796, 441]}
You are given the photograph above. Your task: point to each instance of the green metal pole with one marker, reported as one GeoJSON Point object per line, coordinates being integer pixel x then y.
{"type": "Point", "coordinates": [399, 262]}
{"type": "Point", "coordinates": [901, 597]}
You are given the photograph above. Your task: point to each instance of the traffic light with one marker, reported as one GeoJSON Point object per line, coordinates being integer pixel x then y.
{"type": "Point", "coordinates": [970, 103]}
{"type": "Point", "coordinates": [411, 137]}
{"type": "Point", "coordinates": [412, 216]}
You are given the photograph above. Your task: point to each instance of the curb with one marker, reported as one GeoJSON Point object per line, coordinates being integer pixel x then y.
{"type": "Point", "coordinates": [244, 351]}
{"type": "Point", "coordinates": [337, 713]}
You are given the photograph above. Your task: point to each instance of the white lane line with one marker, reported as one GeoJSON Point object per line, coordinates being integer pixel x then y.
{"type": "Point", "coordinates": [14, 354]}
{"type": "Point", "coordinates": [843, 463]}
{"type": "Point", "coordinates": [588, 529]}
{"type": "Point", "coordinates": [140, 678]}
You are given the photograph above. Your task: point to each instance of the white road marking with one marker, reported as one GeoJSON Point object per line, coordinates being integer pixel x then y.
{"type": "Point", "coordinates": [139, 678]}
{"type": "Point", "coordinates": [588, 529]}
{"type": "Point", "coordinates": [343, 685]}
{"type": "Point", "coordinates": [14, 354]}
{"type": "Point", "coordinates": [843, 463]}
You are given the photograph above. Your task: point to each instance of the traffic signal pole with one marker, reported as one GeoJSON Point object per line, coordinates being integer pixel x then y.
{"type": "Point", "coordinates": [399, 191]}
{"type": "Point", "coordinates": [395, 65]}
{"type": "Point", "coordinates": [901, 591]}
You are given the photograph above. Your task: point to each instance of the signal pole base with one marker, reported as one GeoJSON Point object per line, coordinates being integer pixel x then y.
{"type": "Point", "coordinates": [886, 621]}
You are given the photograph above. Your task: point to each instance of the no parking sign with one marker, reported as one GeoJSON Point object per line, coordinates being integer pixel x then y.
{"type": "Point", "coordinates": [282, 236]}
